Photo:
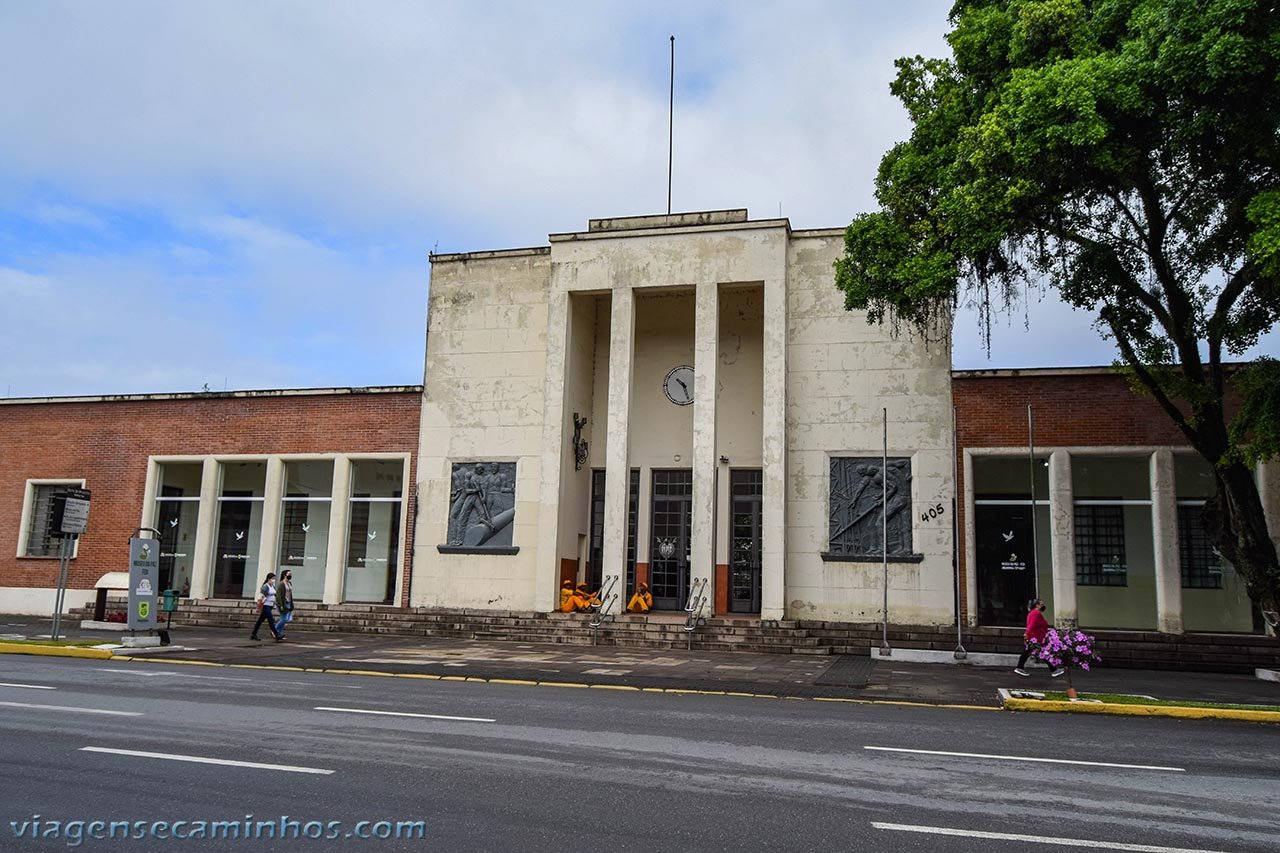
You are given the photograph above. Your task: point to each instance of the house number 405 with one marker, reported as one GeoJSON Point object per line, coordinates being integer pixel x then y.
{"type": "Point", "coordinates": [933, 512]}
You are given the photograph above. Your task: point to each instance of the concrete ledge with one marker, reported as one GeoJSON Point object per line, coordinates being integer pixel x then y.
{"type": "Point", "coordinates": [95, 625]}
{"type": "Point", "coordinates": [54, 651]}
{"type": "Point", "coordinates": [935, 656]}
{"type": "Point", "coordinates": [1268, 674]}
{"type": "Point", "coordinates": [1142, 710]}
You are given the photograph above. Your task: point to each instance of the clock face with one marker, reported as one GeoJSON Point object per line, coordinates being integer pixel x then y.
{"type": "Point", "coordinates": [678, 386]}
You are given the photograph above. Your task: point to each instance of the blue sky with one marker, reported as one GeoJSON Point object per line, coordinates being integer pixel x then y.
{"type": "Point", "coordinates": [244, 194]}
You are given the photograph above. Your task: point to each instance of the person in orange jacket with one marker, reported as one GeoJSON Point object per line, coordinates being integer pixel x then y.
{"type": "Point", "coordinates": [566, 596]}
{"type": "Point", "coordinates": [642, 601]}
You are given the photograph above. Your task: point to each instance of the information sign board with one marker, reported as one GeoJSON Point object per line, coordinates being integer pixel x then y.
{"type": "Point", "coordinates": [144, 579]}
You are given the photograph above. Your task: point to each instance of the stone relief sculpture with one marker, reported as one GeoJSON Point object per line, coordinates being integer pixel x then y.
{"type": "Point", "coordinates": [482, 504]}
{"type": "Point", "coordinates": [858, 492]}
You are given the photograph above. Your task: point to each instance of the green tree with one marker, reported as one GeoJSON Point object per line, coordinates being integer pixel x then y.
{"type": "Point", "coordinates": [1127, 154]}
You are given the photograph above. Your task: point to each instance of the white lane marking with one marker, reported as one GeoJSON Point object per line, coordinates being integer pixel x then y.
{"type": "Point", "coordinates": [72, 709]}
{"type": "Point", "coordinates": [407, 714]}
{"type": "Point", "coordinates": [27, 686]}
{"type": "Point", "coordinates": [1026, 758]}
{"type": "Point", "coordinates": [199, 759]}
{"type": "Point", "coordinates": [168, 674]}
{"type": "Point", "coordinates": [1061, 842]}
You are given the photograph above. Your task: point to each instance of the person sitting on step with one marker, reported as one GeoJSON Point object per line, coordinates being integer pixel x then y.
{"type": "Point", "coordinates": [566, 593]}
{"type": "Point", "coordinates": [642, 601]}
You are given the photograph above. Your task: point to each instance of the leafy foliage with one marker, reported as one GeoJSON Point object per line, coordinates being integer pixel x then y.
{"type": "Point", "coordinates": [1127, 154]}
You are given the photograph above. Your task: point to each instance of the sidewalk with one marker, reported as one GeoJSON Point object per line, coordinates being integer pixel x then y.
{"type": "Point", "coordinates": [845, 676]}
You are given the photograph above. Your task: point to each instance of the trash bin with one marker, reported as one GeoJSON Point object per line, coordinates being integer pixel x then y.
{"type": "Point", "coordinates": [169, 600]}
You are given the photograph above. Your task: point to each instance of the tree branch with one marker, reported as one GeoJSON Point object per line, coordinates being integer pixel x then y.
{"type": "Point", "coordinates": [1149, 381]}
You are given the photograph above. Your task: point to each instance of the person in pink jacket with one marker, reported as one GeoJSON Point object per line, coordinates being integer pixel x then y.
{"type": "Point", "coordinates": [1037, 629]}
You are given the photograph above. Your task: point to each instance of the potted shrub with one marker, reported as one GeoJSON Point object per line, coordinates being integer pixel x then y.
{"type": "Point", "coordinates": [1068, 649]}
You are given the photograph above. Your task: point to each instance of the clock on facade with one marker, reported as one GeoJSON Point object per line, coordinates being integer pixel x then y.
{"type": "Point", "coordinates": [678, 386]}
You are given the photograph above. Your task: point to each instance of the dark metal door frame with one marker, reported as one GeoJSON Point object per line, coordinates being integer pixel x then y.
{"type": "Point", "coordinates": [745, 508]}
{"type": "Point", "coordinates": [670, 527]}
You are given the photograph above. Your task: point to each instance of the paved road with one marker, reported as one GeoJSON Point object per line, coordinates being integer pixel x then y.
{"type": "Point", "coordinates": [556, 769]}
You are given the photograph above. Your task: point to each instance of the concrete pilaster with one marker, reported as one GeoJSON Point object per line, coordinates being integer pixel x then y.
{"type": "Point", "coordinates": [774, 422]}
{"type": "Point", "coordinates": [272, 494]}
{"type": "Point", "coordinates": [1062, 538]}
{"type": "Point", "coordinates": [202, 564]}
{"type": "Point", "coordinates": [335, 567]}
{"type": "Point", "coordinates": [1164, 527]}
{"type": "Point", "coordinates": [705, 357]}
{"type": "Point", "coordinates": [1269, 491]}
{"type": "Point", "coordinates": [970, 545]}
{"type": "Point", "coordinates": [622, 327]}
{"type": "Point", "coordinates": [546, 571]}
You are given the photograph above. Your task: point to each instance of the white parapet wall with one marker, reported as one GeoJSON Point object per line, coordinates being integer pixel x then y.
{"type": "Point", "coordinates": [38, 601]}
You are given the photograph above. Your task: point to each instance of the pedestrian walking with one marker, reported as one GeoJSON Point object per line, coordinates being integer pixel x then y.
{"type": "Point", "coordinates": [284, 602]}
{"type": "Point", "coordinates": [266, 601]}
{"type": "Point", "coordinates": [1037, 630]}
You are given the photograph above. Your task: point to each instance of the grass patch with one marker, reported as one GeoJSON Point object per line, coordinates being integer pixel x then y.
{"type": "Point", "coordinates": [85, 643]}
{"type": "Point", "coordinates": [1118, 699]}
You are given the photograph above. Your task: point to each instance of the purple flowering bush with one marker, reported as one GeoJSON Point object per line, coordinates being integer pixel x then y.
{"type": "Point", "coordinates": [1067, 649]}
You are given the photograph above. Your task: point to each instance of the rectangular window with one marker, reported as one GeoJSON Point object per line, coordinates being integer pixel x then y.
{"type": "Point", "coordinates": [177, 509]}
{"type": "Point", "coordinates": [36, 540]}
{"type": "Point", "coordinates": [239, 529]}
{"type": "Point", "coordinates": [1100, 559]}
{"type": "Point", "coordinates": [1201, 565]}
{"type": "Point", "coordinates": [304, 525]}
{"type": "Point", "coordinates": [373, 535]}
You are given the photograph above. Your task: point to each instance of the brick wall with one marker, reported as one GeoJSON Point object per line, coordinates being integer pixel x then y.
{"type": "Point", "coordinates": [107, 442]}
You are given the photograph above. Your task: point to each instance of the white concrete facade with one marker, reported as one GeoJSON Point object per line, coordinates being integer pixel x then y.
{"type": "Point", "coordinates": [784, 380]}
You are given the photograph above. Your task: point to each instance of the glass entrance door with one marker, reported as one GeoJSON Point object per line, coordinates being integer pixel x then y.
{"type": "Point", "coordinates": [745, 495]}
{"type": "Point", "coordinates": [670, 521]}
{"type": "Point", "coordinates": [1006, 563]}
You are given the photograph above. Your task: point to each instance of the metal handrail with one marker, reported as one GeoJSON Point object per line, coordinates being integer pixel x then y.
{"type": "Point", "coordinates": [599, 608]}
{"type": "Point", "coordinates": [697, 600]}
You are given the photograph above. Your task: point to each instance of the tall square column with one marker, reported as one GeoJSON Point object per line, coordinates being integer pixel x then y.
{"type": "Point", "coordinates": [617, 478]}
{"type": "Point", "coordinates": [706, 349]}
{"type": "Point", "coordinates": [269, 542]}
{"type": "Point", "coordinates": [546, 572]}
{"type": "Point", "coordinates": [1164, 530]}
{"type": "Point", "coordinates": [202, 565]}
{"type": "Point", "coordinates": [773, 527]}
{"type": "Point", "coordinates": [335, 568]}
{"type": "Point", "coordinates": [1062, 539]}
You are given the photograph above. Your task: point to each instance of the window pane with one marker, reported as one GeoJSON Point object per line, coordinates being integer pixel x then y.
{"type": "Point", "coordinates": [180, 479]}
{"type": "Point", "coordinates": [39, 542]}
{"type": "Point", "coordinates": [304, 545]}
{"type": "Point", "coordinates": [244, 479]}
{"type": "Point", "coordinates": [239, 529]}
{"type": "Point", "coordinates": [235, 562]}
{"type": "Point", "coordinates": [176, 521]}
{"type": "Point", "coordinates": [1009, 477]}
{"type": "Point", "coordinates": [1193, 477]}
{"type": "Point", "coordinates": [377, 478]}
{"type": "Point", "coordinates": [1111, 477]}
{"type": "Point", "coordinates": [373, 544]}
{"type": "Point", "coordinates": [308, 480]}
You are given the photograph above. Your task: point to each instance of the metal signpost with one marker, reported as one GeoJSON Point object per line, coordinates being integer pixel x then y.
{"type": "Point", "coordinates": [144, 579]}
{"type": "Point", "coordinates": [70, 518]}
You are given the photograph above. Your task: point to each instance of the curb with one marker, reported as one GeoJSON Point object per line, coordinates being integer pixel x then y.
{"type": "Point", "coordinates": [1177, 711]}
{"type": "Point", "coordinates": [54, 651]}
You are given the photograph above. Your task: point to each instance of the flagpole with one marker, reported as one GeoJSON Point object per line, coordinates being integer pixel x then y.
{"type": "Point", "coordinates": [671, 120]}
{"type": "Point", "coordinates": [885, 651]}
